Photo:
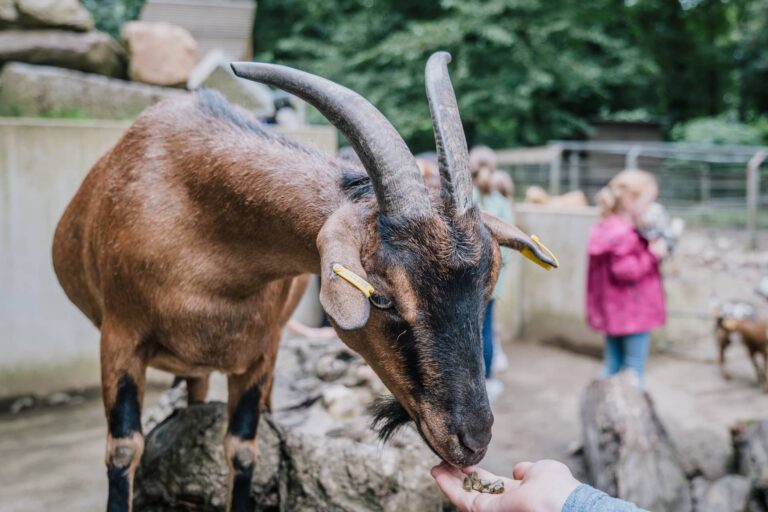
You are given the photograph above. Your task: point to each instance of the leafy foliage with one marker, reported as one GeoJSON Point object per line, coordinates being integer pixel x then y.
{"type": "Point", "coordinates": [718, 130]}
{"type": "Point", "coordinates": [110, 15]}
{"type": "Point", "coordinates": [527, 71]}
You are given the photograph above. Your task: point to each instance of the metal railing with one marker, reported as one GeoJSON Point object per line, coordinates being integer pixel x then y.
{"type": "Point", "coordinates": [707, 184]}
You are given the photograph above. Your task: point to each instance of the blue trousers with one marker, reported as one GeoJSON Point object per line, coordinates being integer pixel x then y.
{"type": "Point", "coordinates": [628, 351]}
{"type": "Point", "coordinates": [488, 339]}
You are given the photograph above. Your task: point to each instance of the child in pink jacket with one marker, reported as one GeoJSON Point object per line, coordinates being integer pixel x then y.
{"type": "Point", "coordinates": [625, 297]}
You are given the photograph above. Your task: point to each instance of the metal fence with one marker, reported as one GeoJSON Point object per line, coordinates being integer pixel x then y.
{"type": "Point", "coordinates": [713, 185]}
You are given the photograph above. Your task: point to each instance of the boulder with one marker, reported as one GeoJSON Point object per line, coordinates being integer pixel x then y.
{"type": "Point", "coordinates": [703, 450]}
{"type": "Point", "coordinates": [308, 460]}
{"type": "Point", "coordinates": [159, 53]}
{"type": "Point", "coordinates": [628, 453]}
{"type": "Point", "coordinates": [726, 494]}
{"type": "Point", "coordinates": [27, 90]}
{"type": "Point", "coordinates": [213, 71]}
{"type": "Point", "coordinates": [339, 473]}
{"type": "Point", "coordinates": [66, 14]}
{"type": "Point", "coordinates": [750, 456]}
{"type": "Point", "coordinates": [8, 13]}
{"type": "Point", "coordinates": [340, 401]}
{"type": "Point", "coordinates": [92, 52]}
{"type": "Point", "coordinates": [183, 465]}
{"type": "Point", "coordinates": [183, 468]}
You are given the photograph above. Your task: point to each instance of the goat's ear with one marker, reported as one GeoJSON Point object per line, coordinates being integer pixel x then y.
{"type": "Point", "coordinates": [338, 242]}
{"type": "Point", "coordinates": [509, 235]}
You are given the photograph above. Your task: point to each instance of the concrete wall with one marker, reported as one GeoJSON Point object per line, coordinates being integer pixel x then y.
{"type": "Point", "coordinates": [45, 342]}
{"type": "Point", "coordinates": [549, 305]}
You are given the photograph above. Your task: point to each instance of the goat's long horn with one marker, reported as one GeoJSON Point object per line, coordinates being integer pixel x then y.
{"type": "Point", "coordinates": [450, 143]}
{"type": "Point", "coordinates": [396, 179]}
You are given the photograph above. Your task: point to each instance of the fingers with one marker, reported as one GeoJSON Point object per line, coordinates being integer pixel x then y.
{"type": "Point", "coordinates": [521, 468]}
{"type": "Point", "coordinates": [449, 480]}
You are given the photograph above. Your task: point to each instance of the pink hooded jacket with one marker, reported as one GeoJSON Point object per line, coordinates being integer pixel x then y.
{"type": "Point", "coordinates": [624, 290]}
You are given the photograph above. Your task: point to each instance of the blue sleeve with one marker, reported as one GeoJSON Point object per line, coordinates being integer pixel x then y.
{"type": "Point", "coordinates": [588, 499]}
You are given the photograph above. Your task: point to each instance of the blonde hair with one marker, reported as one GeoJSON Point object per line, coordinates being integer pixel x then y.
{"type": "Point", "coordinates": [628, 184]}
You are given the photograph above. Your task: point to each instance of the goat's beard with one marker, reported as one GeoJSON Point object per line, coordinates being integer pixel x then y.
{"type": "Point", "coordinates": [389, 416]}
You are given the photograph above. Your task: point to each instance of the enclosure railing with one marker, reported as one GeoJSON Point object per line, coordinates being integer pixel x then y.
{"type": "Point", "coordinates": [714, 184]}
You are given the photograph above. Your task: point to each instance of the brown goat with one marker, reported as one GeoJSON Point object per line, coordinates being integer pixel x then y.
{"type": "Point", "coordinates": [753, 333]}
{"type": "Point", "coordinates": [184, 243]}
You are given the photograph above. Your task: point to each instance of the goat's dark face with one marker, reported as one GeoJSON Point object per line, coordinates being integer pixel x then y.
{"type": "Point", "coordinates": [434, 276]}
{"type": "Point", "coordinates": [432, 262]}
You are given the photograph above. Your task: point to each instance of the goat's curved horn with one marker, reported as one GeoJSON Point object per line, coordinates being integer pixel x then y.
{"type": "Point", "coordinates": [450, 143]}
{"type": "Point", "coordinates": [396, 179]}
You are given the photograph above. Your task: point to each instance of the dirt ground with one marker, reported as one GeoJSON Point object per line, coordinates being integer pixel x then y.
{"type": "Point", "coordinates": [53, 458]}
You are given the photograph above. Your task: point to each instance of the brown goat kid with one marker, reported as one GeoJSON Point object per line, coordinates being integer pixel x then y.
{"type": "Point", "coordinates": [188, 245]}
{"type": "Point", "coordinates": [754, 335]}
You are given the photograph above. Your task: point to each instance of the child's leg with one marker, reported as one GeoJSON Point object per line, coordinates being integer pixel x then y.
{"type": "Point", "coordinates": [636, 353]}
{"type": "Point", "coordinates": [488, 339]}
{"type": "Point", "coordinates": [612, 355]}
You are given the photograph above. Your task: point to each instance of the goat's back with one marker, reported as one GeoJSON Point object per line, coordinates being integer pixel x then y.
{"type": "Point", "coordinates": [192, 196]}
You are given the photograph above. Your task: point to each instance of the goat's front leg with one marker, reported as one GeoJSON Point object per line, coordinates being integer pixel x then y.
{"type": "Point", "coordinates": [248, 394]}
{"type": "Point", "coordinates": [765, 368]}
{"type": "Point", "coordinates": [723, 340]}
{"type": "Point", "coordinates": [122, 380]}
{"type": "Point", "coordinates": [753, 355]}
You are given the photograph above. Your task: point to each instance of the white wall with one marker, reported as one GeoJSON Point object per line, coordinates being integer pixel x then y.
{"type": "Point", "coordinates": [45, 342]}
{"type": "Point", "coordinates": [549, 305]}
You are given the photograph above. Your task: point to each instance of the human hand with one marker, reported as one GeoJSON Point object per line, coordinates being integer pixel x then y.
{"type": "Point", "coordinates": [659, 248]}
{"type": "Point", "coordinates": [535, 487]}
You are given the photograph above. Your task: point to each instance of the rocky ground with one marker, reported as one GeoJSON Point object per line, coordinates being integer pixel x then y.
{"type": "Point", "coordinates": [54, 456]}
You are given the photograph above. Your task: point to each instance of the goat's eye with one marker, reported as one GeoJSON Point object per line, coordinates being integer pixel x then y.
{"type": "Point", "coordinates": [380, 301]}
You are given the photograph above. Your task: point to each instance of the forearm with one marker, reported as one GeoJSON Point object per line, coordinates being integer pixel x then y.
{"type": "Point", "coordinates": [588, 499]}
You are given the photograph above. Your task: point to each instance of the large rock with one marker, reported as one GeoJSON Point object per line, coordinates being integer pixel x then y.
{"type": "Point", "coordinates": [213, 71]}
{"type": "Point", "coordinates": [92, 52]}
{"type": "Point", "coordinates": [750, 455]}
{"type": "Point", "coordinates": [627, 451]}
{"type": "Point", "coordinates": [308, 460]}
{"type": "Point", "coordinates": [27, 90]}
{"type": "Point", "coordinates": [702, 450]}
{"type": "Point", "coordinates": [67, 14]}
{"type": "Point", "coordinates": [183, 466]}
{"type": "Point", "coordinates": [8, 13]}
{"type": "Point", "coordinates": [326, 473]}
{"type": "Point", "coordinates": [726, 494]}
{"type": "Point", "coordinates": [160, 53]}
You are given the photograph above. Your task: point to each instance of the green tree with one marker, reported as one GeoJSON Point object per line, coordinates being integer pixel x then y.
{"type": "Point", "coordinates": [525, 71]}
{"type": "Point", "coordinates": [110, 15]}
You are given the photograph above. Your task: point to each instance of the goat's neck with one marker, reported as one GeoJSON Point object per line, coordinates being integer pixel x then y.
{"type": "Point", "coordinates": [271, 209]}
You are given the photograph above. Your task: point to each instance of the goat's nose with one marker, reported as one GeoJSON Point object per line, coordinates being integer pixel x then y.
{"type": "Point", "coordinates": [475, 436]}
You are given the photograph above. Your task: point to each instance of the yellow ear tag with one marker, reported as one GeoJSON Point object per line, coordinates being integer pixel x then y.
{"type": "Point", "coordinates": [531, 256]}
{"type": "Point", "coordinates": [353, 279]}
